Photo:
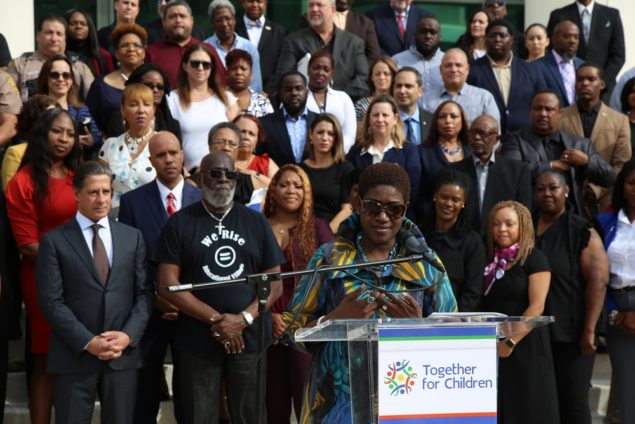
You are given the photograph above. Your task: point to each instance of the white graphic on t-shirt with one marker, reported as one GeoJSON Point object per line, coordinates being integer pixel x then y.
{"type": "Point", "coordinates": [225, 256]}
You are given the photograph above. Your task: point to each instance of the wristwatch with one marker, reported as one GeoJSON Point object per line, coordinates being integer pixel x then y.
{"type": "Point", "coordinates": [249, 318]}
{"type": "Point", "coordinates": [509, 342]}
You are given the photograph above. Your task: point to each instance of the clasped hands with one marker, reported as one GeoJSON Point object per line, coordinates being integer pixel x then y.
{"type": "Point", "coordinates": [569, 158]}
{"type": "Point", "coordinates": [108, 345]}
{"type": "Point", "coordinates": [227, 329]}
{"type": "Point", "coordinates": [404, 306]}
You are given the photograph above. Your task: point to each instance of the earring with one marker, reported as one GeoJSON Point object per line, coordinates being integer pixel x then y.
{"type": "Point", "coordinates": [566, 195]}
{"type": "Point", "coordinates": [434, 199]}
{"type": "Point", "coordinates": [311, 142]}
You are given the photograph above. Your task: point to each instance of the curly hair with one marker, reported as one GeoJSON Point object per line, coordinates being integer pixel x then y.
{"type": "Point", "coordinates": [385, 173]}
{"type": "Point", "coordinates": [236, 55]}
{"type": "Point", "coordinates": [183, 82]}
{"type": "Point", "coordinates": [525, 230]}
{"type": "Point", "coordinates": [43, 78]}
{"type": "Point", "coordinates": [305, 230]}
{"type": "Point", "coordinates": [433, 134]}
{"type": "Point", "coordinates": [38, 152]}
{"type": "Point", "coordinates": [123, 29]}
{"type": "Point", "coordinates": [337, 151]}
{"type": "Point", "coordinates": [398, 137]}
{"type": "Point", "coordinates": [32, 111]}
{"type": "Point", "coordinates": [392, 66]}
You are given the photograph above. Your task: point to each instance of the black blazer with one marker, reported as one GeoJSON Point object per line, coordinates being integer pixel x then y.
{"type": "Point", "coordinates": [390, 41]}
{"type": "Point", "coordinates": [550, 71]}
{"type": "Point", "coordinates": [606, 45]}
{"type": "Point", "coordinates": [78, 306]}
{"type": "Point", "coordinates": [278, 143]}
{"type": "Point", "coordinates": [269, 47]}
{"type": "Point", "coordinates": [507, 179]}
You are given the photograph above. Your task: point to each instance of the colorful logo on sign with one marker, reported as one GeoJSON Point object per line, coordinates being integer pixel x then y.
{"type": "Point", "coordinates": [400, 379]}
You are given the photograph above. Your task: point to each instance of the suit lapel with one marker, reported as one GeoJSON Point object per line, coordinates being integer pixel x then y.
{"type": "Point", "coordinates": [491, 80]}
{"type": "Point", "coordinates": [575, 120]}
{"type": "Point", "coordinates": [155, 204]}
{"type": "Point", "coordinates": [117, 239]}
{"type": "Point", "coordinates": [598, 127]}
{"type": "Point", "coordinates": [75, 238]}
{"type": "Point", "coordinates": [284, 138]}
{"type": "Point", "coordinates": [265, 36]}
{"type": "Point", "coordinates": [553, 67]}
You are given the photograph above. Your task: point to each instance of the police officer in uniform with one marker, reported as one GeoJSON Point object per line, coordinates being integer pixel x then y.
{"type": "Point", "coordinates": [10, 106]}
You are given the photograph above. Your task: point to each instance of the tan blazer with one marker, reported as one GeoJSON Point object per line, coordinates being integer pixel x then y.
{"type": "Point", "coordinates": [611, 137]}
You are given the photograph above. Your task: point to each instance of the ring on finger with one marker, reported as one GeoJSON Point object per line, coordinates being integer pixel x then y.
{"type": "Point", "coordinates": [384, 308]}
{"type": "Point", "coordinates": [227, 345]}
{"type": "Point", "coordinates": [216, 334]}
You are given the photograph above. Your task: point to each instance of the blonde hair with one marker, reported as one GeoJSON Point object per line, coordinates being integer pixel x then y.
{"type": "Point", "coordinates": [526, 238]}
{"type": "Point", "coordinates": [136, 91]}
{"type": "Point", "coordinates": [398, 136]}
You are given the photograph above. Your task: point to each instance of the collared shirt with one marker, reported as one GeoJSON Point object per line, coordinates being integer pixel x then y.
{"type": "Point", "coordinates": [339, 19]}
{"type": "Point", "coordinates": [404, 14]}
{"type": "Point", "coordinates": [581, 7]}
{"type": "Point", "coordinates": [553, 145]}
{"type": "Point", "coordinates": [482, 173]}
{"type": "Point", "coordinates": [503, 75]}
{"type": "Point", "coordinates": [412, 126]}
{"type": "Point", "coordinates": [429, 69]}
{"type": "Point", "coordinates": [620, 253]}
{"type": "Point", "coordinates": [588, 118]}
{"type": "Point", "coordinates": [297, 129]}
{"type": "Point", "coordinates": [475, 101]}
{"type": "Point", "coordinates": [242, 44]}
{"type": "Point", "coordinates": [567, 70]}
{"type": "Point", "coordinates": [378, 155]}
{"type": "Point", "coordinates": [177, 191]}
{"type": "Point", "coordinates": [86, 225]}
{"type": "Point", "coordinates": [254, 29]}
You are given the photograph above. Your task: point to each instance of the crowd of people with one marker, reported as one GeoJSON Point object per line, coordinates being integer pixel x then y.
{"type": "Point", "coordinates": [139, 157]}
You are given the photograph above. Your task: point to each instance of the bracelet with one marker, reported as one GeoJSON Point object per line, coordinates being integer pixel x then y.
{"type": "Point", "coordinates": [319, 321]}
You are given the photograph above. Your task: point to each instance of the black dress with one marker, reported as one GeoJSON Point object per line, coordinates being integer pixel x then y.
{"type": "Point", "coordinates": [526, 379]}
{"type": "Point", "coordinates": [328, 186]}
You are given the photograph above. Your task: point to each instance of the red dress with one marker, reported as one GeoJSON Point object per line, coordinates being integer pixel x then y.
{"type": "Point", "coordinates": [29, 223]}
{"type": "Point", "coordinates": [260, 164]}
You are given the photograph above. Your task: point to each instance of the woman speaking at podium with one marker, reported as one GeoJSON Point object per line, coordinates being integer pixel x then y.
{"type": "Point", "coordinates": [378, 231]}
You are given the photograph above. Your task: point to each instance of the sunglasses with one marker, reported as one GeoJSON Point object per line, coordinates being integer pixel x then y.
{"type": "Point", "coordinates": [55, 75]}
{"type": "Point", "coordinates": [392, 210]}
{"type": "Point", "coordinates": [198, 63]}
{"type": "Point", "coordinates": [218, 173]}
{"type": "Point", "coordinates": [152, 86]}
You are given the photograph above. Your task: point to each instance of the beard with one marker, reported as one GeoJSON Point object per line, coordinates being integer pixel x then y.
{"type": "Point", "coordinates": [219, 197]}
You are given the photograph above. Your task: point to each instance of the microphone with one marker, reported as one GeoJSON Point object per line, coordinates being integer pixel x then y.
{"type": "Point", "coordinates": [419, 245]}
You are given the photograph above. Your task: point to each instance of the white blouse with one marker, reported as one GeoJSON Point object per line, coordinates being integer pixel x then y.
{"type": "Point", "coordinates": [621, 253]}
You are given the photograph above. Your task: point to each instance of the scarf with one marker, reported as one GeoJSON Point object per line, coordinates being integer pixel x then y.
{"type": "Point", "coordinates": [496, 269]}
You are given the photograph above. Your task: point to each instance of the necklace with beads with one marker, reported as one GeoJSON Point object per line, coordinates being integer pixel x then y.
{"type": "Point", "coordinates": [220, 225]}
{"type": "Point", "coordinates": [360, 250]}
{"type": "Point", "coordinates": [134, 143]}
{"type": "Point", "coordinates": [452, 152]}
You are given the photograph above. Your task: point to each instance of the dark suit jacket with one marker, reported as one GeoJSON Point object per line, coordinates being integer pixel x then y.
{"type": "Point", "coordinates": [525, 82]}
{"type": "Point", "coordinates": [390, 41]}
{"type": "Point", "coordinates": [606, 37]}
{"type": "Point", "coordinates": [507, 179]}
{"type": "Point", "coordinates": [10, 294]}
{"type": "Point", "coordinates": [278, 143]}
{"type": "Point", "coordinates": [550, 71]}
{"type": "Point", "coordinates": [526, 146]}
{"type": "Point", "coordinates": [351, 67]}
{"type": "Point", "coordinates": [269, 47]}
{"type": "Point", "coordinates": [78, 306]}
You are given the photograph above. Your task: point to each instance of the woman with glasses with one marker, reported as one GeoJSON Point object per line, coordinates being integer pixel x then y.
{"type": "Point", "coordinates": [128, 155]}
{"type": "Point", "coordinates": [81, 43]}
{"type": "Point", "coordinates": [104, 97]}
{"type": "Point", "coordinates": [156, 80]}
{"type": "Point", "coordinates": [56, 80]}
{"type": "Point", "coordinates": [239, 72]}
{"type": "Point", "coordinates": [380, 291]}
{"type": "Point", "coordinates": [199, 102]}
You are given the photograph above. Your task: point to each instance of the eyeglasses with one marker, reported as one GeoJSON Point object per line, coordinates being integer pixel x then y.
{"type": "Point", "coordinates": [218, 173]}
{"type": "Point", "coordinates": [56, 75]}
{"type": "Point", "coordinates": [130, 46]}
{"type": "Point", "coordinates": [152, 86]}
{"type": "Point", "coordinates": [392, 210]}
{"type": "Point", "coordinates": [198, 63]}
{"type": "Point", "coordinates": [231, 143]}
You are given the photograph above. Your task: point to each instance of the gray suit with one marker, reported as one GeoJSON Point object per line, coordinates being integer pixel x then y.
{"type": "Point", "coordinates": [79, 307]}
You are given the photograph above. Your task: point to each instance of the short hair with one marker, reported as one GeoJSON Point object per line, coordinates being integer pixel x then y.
{"type": "Point", "coordinates": [89, 169]}
{"type": "Point", "coordinates": [320, 54]}
{"type": "Point", "coordinates": [236, 55]}
{"type": "Point", "coordinates": [617, 198]}
{"type": "Point", "coordinates": [136, 91]}
{"type": "Point", "coordinates": [220, 4]}
{"type": "Point", "coordinates": [32, 111]}
{"type": "Point", "coordinates": [291, 73]}
{"type": "Point", "coordinates": [183, 83]}
{"type": "Point", "coordinates": [546, 91]}
{"type": "Point", "coordinates": [433, 132]}
{"type": "Point", "coordinates": [385, 173]}
{"type": "Point", "coordinates": [551, 171]}
{"type": "Point", "coordinates": [43, 83]}
{"type": "Point", "coordinates": [500, 22]}
{"type": "Point", "coordinates": [398, 138]}
{"type": "Point", "coordinates": [222, 125]}
{"type": "Point", "coordinates": [593, 66]}
{"type": "Point", "coordinates": [337, 151]}
{"type": "Point", "coordinates": [525, 229]}
{"type": "Point", "coordinates": [124, 29]}
{"type": "Point", "coordinates": [626, 92]}
{"type": "Point", "coordinates": [451, 176]}
{"type": "Point", "coordinates": [174, 3]}
{"type": "Point", "coordinates": [418, 76]}
{"type": "Point", "coordinates": [261, 132]}
{"type": "Point", "coordinates": [51, 17]}
{"type": "Point", "coordinates": [392, 66]}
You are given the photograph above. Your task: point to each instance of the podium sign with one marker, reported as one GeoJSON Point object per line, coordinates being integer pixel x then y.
{"type": "Point", "coordinates": [437, 374]}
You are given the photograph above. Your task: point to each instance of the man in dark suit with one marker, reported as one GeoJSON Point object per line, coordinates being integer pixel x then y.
{"type": "Point", "coordinates": [602, 35]}
{"type": "Point", "coordinates": [493, 177]}
{"type": "Point", "coordinates": [93, 291]}
{"type": "Point", "coordinates": [558, 66]}
{"type": "Point", "coordinates": [511, 80]}
{"type": "Point", "coordinates": [395, 22]}
{"type": "Point", "coordinates": [407, 90]}
{"type": "Point", "coordinates": [542, 146]}
{"type": "Point", "coordinates": [351, 67]}
{"type": "Point", "coordinates": [147, 208]}
{"type": "Point", "coordinates": [286, 128]}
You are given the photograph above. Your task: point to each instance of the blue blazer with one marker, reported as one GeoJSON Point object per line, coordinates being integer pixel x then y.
{"type": "Point", "coordinates": [550, 71]}
{"type": "Point", "coordinates": [525, 82]}
{"type": "Point", "coordinates": [390, 41]}
{"type": "Point", "coordinates": [278, 143]}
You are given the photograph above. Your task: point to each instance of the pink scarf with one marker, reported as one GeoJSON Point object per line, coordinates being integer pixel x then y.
{"type": "Point", "coordinates": [496, 269]}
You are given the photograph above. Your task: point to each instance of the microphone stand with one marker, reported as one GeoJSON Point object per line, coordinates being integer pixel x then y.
{"type": "Point", "coordinates": [261, 283]}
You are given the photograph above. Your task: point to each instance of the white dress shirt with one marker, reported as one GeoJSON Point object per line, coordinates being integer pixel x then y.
{"type": "Point", "coordinates": [254, 32]}
{"type": "Point", "coordinates": [176, 191]}
{"type": "Point", "coordinates": [86, 226]}
{"type": "Point", "coordinates": [378, 155]}
{"type": "Point", "coordinates": [621, 253]}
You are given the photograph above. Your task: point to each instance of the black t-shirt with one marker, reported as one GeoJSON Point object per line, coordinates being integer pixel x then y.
{"type": "Point", "coordinates": [244, 245]}
{"type": "Point", "coordinates": [329, 188]}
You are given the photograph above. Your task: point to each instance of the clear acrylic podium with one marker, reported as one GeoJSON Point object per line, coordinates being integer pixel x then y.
{"type": "Point", "coordinates": [361, 338]}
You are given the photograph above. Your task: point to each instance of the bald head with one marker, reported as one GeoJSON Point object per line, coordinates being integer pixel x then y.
{"type": "Point", "coordinates": [217, 160]}
{"type": "Point", "coordinates": [566, 39]}
{"type": "Point", "coordinates": [166, 157]}
{"type": "Point", "coordinates": [482, 136]}
{"type": "Point", "coordinates": [454, 69]}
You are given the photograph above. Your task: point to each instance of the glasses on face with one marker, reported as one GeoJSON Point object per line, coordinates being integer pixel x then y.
{"type": "Point", "coordinates": [152, 86]}
{"type": "Point", "coordinates": [216, 174]}
{"type": "Point", "coordinates": [198, 63]}
{"type": "Point", "coordinates": [392, 210]}
{"type": "Point", "coordinates": [231, 143]}
{"type": "Point", "coordinates": [56, 75]}
{"type": "Point", "coordinates": [130, 46]}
